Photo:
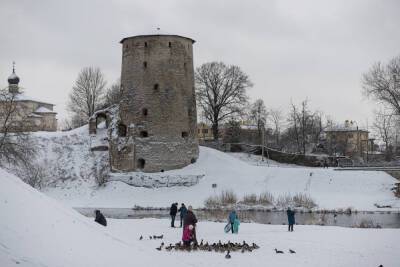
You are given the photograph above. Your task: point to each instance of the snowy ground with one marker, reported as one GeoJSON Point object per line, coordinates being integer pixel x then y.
{"type": "Point", "coordinates": [35, 230]}
{"type": "Point", "coordinates": [70, 167]}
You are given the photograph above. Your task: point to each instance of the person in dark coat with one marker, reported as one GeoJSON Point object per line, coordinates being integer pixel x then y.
{"type": "Point", "coordinates": [100, 218]}
{"type": "Point", "coordinates": [173, 211]}
{"type": "Point", "coordinates": [182, 212]}
{"type": "Point", "coordinates": [190, 220]}
{"type": "Point", "coordinates": [291, 220]}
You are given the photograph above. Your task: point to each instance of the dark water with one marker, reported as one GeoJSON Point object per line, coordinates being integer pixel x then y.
{"type": "Point", "coordinates": [381, 219]}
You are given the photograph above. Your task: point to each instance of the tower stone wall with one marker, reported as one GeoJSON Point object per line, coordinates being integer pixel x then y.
{"type": "Point", "coordinates": [157, 114]}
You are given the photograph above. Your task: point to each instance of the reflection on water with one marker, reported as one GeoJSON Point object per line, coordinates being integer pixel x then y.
{"type": "Point", "coordinates": [383, 219]}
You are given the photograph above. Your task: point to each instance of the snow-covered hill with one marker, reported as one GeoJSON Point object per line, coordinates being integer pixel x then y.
{"type": "Point", "coordinates": [71, 168]}
{"type": "Point", "coordinates": [36, 231]}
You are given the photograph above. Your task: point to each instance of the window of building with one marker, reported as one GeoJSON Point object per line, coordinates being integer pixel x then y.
{"type": "Point", "coordinates": [156, 86]}
{"type": "Point", "coordinates": [145, 64]}
{"type": "Point", "coordinates": [141, 163]}
{"type": "Point", "coordinates": [145, 44]}
{"type": "Point", "coordinates": [185, 134]}
{"type": "Point", "coordinates": [144, 112]}
{"type": "Point", "coordinates": [122, 130]}
{"type": "Point", "coordinates": [144, 134]}
{"type": "Point", "coordinates": [204, 131]}
{"type": "Point", "coordinates": [169, 44]}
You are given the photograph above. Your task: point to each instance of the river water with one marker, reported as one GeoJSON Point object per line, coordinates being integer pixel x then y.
{"type": "Point", "coordinates": [382, 219]}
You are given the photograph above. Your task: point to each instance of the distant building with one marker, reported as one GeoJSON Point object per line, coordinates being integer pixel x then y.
{"type": "Point", "coordinates": [204, 132]}
{"type": "Point", "coordinates": [30, 114]}
{"type": "Point", "coordinates": [347, 140]}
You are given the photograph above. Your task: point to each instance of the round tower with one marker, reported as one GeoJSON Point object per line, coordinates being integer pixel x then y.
{"type": "Point", "coordinates": [158, 107]}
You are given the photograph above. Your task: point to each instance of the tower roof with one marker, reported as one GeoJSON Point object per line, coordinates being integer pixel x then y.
{"type": "Point", "coordinates": [157, 35]}
{"type": "Point", "coordinates": [13, 79]}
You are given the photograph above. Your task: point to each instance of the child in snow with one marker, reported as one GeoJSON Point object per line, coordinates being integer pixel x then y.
{"type": "Point", "coordinates": [291, 220]}
{"type": "Point", "coordinates": [189, 227]}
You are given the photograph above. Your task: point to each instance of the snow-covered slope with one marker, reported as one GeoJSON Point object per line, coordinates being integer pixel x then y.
{"type": "Point", "coordinates": [71, 177]}
{"type": "Point", "coordinates": [35, 230]}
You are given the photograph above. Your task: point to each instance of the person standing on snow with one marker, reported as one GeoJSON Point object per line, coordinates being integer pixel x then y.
{"type": "Point", "coordinates": [182, 212]}
{"type": "Point", "coordinates": [100, 218]}
{"type": "Point", "coordinates": [291, 220]}
{"type": "Point", "coordinates": [189, 227]}
{"type": "Point", "coordinates": [173, 211]}
{"type": "Point", "coordinates": [232, 218]}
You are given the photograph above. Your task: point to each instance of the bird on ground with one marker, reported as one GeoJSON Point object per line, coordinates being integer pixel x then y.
{"type": "Point", "coordinates": [228, 256]}
{"type": "Point", "coordinates": [159, 248]}
{"type": "Point", "coordinates": [141, 237]}
{"type": "Point", "coordinates": [150, 237]}
{"type": "Point", "coordinates": [292, 251]}
{"type": "Point", "coordinates": [278, 251]}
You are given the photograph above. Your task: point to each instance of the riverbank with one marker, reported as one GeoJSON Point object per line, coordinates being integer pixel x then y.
{"type": "Point", "coordinates": [36, 230]}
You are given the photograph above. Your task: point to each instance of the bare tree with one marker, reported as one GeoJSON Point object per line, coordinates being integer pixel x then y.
{"type": "Point", "coordinates": [87, 93]}
{"type": "Point", "coordinates": [113, 94]}
{"type": "Point", "coordinates": [384, 125]}
{"type": "Point", "coordinates": [16, 147]}
{"type": "Point", "coordinates": [258, 115]}
{"type": "Point", "coordinates": [382, 82]}
{"type": "Point", "coordinates": [302, 126]}
{"type": "Point", "coordinates": [221, 92]}
{"type": "Point", "coordinates": [276, 118]}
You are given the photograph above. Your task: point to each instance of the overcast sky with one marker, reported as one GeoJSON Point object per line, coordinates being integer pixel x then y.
{"type": "Point", "coordinates": [292, 50]}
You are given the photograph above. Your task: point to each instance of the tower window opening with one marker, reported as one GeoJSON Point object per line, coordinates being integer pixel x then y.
{"type": "Point", "coordinates": [145, 44]}
{"type": "Point", "coordinates": [144, 134]}
{"type": "Point", "coordinates": [169, 44]}
{"type": "Point", "coordinates": [145, 64]}
{"type": "Point", "coordinates": [141, 163]}
{"type": "Point", "coordinates": [156, 86]}
{"type": "Point", "coordinates": [145, 112]}
{"type": "Point", "coordinates": [185, 134]}
{"type": "Point", "coordinates": [122, 130]}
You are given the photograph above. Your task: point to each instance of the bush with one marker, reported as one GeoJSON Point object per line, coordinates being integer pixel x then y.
{"type": "Point", "coordinates": [228, 198]}
{"type": "Point", "coordinates": [250, 199]}
{"type": "Point", "coordinates": [225, 198]}
{"type": "Point", "coordinates": [367, 223]}
{"type": "Point", "coordinates": [303, 200]}
{"type": "Point", "coordinates": [101, 174]}
{"type": "Point", "coordinates": [284, 201]}
{"type": "Point", "coordinates": [212, 202]}
{"type": "Point", "coordinates": [266, 198]}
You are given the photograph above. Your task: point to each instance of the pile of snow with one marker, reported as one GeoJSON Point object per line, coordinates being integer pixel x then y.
{"type": "Point", "coordinates": [71, 170]}
{"type": "Point", "coordinates": [140, 179]}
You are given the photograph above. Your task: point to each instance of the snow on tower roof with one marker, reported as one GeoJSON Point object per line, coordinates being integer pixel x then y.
{"type": "Point", "coordinates": [43, 110]}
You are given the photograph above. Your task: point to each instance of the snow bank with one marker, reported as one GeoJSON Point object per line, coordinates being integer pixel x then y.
{"type": "Point", "coordinates": [37, 231]}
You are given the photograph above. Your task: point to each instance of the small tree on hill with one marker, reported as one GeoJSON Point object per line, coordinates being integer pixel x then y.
{"type": "Point", "coordinates": [87, 94]}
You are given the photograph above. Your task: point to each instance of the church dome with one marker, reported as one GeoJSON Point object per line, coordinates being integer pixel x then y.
{"type": "Point", "coordinates": [13, 78]}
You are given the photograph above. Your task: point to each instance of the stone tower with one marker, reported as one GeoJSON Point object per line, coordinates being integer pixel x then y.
{"type": "Point", "coordinates": [158, 108]}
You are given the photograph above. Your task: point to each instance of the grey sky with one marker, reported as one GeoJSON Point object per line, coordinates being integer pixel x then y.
{"type": "Point", "coordinates": [290, 49]}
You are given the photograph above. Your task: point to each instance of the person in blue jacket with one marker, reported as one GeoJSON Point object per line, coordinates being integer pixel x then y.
{"type": "Point", "coordinates": [291, 220]}
{"type": "Point", "coordinates": [232, 217]}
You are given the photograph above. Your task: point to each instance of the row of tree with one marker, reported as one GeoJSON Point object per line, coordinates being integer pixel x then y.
{"type": "Point", "coordinates": [221, 93]}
